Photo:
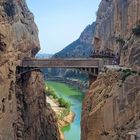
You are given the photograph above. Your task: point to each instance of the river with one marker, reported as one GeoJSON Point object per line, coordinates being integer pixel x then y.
{"type": "Point", "coordinates": [75, 97]}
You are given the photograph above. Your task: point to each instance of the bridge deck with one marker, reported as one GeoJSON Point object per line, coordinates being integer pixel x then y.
{"type": "Point", "coordinates": [63, 63]}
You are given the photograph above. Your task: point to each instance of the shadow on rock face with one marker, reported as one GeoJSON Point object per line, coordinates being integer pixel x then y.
{"type": "Point", "coordinates": [9, 8]}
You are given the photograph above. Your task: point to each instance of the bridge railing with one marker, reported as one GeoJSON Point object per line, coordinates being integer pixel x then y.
{"type": "Point", "coordinates": [62, 63]}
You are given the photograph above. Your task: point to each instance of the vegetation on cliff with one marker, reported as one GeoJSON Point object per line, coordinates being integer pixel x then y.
{"type": "Point", "coordinates": [126, 73]}
{"type": "Point", "coordinates": [65, 105]}
{"type": "Point", "coordinates": [136, 30]}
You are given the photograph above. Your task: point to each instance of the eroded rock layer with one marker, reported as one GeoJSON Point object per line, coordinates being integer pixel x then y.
{"type": "Point", "coordinates": [115, 22]}
{"type": "Point", "coordinates": [36, 120]}
{"type": "Point", "coordinates": [111, 107]}
{"type": "Point", "coordinates": [23, 113]}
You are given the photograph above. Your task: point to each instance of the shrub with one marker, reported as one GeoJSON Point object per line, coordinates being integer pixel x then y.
{"type": "Point", "coordinates": [135, 72]}
{"type": "Point", "coordinates": [120, 41]}
{"type": "Point", "coordinates": [66, 106]}
{"type": "Point", "coordinates": [63, 103]}
{"type": "Point", "coordinates": [136, 30]}
{"type": "Point", "coordinates": [125, 76]}
{"type": "Point", "coordinates": [51, 92]}
{"type": "Point", "coordinates": [120, 70]}
{"type": "Point", "coordinates": [127, 73]}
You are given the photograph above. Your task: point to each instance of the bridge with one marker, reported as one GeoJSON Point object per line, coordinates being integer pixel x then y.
{"type": "Point", "coordinates": [90, 65]}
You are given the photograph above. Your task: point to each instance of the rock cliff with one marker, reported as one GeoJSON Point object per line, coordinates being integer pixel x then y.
{"type": "Point", "coordinates": [23, 112]}
{"type": "Point", "coordinates": [115, 22]}
{"type": "Point", "coordinates": [111, 107]}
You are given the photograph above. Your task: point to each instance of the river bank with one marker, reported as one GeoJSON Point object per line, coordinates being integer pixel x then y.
{"type": "Point", "coordinates": [75, 97]}
{"type": "Point", "coordinates": [66, 120]}
{"type": "Point", "coordinates": [63, 121]}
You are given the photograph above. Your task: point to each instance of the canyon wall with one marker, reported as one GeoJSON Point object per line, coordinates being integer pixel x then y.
{"type": "Point", "coordinates": [111, 107]}
{"type": "Point", "coordinates": [24, 114]}
{"type": "Point", "coordinates": [114, 24]}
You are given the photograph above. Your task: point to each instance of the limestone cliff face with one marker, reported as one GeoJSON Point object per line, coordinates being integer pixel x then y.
{"type": "Point", "coordinates": [23, 113]}
{"type": "Point", "coordinates": [111, 107]}
{"type": "Point", "coordinates": [36, 120]}
{"type": "Point", "coordinates": [115, 21]}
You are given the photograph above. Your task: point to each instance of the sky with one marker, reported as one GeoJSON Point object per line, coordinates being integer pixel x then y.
{"type": "Point", "coordinates": [60, 22]}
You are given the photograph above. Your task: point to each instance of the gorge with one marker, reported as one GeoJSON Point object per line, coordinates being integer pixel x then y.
{"type": "Point", "coordinates": [74, 97]}
{"type": "Point", "coordinates": [110, 108]}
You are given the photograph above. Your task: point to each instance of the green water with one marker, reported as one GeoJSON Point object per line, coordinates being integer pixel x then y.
{"type": "Point", "coordinates": [75, 97]}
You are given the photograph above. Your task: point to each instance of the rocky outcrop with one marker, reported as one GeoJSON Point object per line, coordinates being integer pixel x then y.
{"type": "Point", "coordinates": [82, 47]}
{"type": "Point", "coordinates": [23, 113]}
{"type": "Point", "coordinates": [115, 22]}
{"type": "Point", "coordinates": [36, 120]}
{"type": "Point", "coordinates": [111, 107]}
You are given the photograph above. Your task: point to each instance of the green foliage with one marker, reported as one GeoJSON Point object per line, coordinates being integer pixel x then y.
{"type": "Point", "coordinates": [63, 103]}
{"type": "Point", "coordinates": [135, 72]}
{"type": "Point", "coordinates": [51, 92]}
{"type": "Point", "coordinates": [127, 73]}
{"type": "Point", "coordinates": [136, 30]}
{"type": "Point", "coordinates": [125, 76]}
{"type": "Point", "coordinates": [120, 41]}
{"type": "Point", "coordinates": [120, 70]}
